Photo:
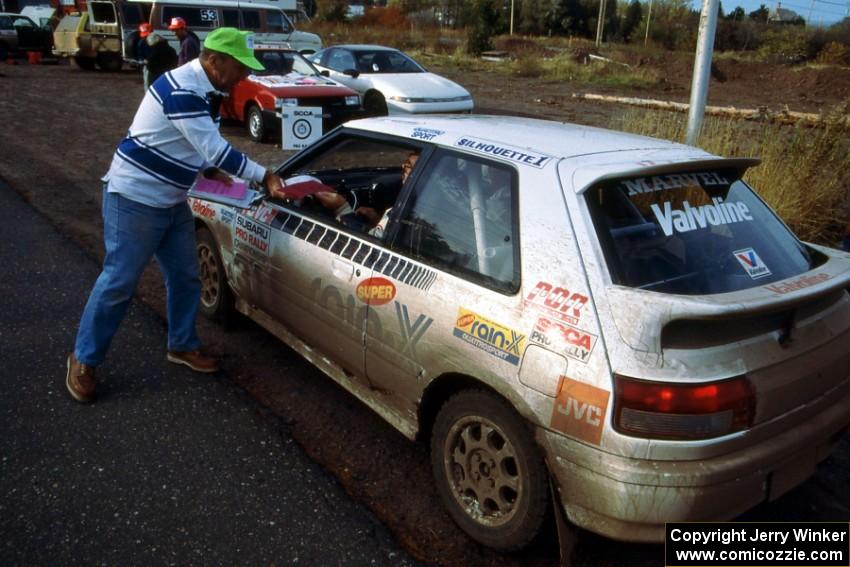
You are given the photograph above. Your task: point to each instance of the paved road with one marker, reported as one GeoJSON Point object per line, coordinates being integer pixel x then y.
{"type": "Point", "coordinates": [168, 467]}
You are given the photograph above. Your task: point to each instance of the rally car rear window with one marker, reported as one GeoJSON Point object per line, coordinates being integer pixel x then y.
{"type": "Point", "coordinates": [692, 233]}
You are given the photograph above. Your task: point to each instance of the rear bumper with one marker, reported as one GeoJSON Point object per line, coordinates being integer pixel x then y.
{"type": "Point", "coordinates": [631, 499]}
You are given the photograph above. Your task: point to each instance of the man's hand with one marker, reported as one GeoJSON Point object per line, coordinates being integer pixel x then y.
{"type": "Point", "coordinates": [219, 175]}
{"type": "Point", "coordinates": [273, 185]}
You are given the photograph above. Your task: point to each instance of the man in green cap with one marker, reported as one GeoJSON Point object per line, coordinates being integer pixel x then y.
{"type": "Point", "coordinates": [174, 137]}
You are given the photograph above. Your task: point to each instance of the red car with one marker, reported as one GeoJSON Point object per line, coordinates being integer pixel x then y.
{"type": "Point", "coordinates": [288, 80]}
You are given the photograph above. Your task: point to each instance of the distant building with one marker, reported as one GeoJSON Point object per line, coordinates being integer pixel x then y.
{"type": "Point", "coordinates": [780, 15]}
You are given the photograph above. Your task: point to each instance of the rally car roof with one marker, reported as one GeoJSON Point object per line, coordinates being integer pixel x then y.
{"type": "Point", "coordinates": [555, 139]}
{"type": "Point", "coordinates": [585, 153]}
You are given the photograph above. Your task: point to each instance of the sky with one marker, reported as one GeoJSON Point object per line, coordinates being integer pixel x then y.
{"type": "Point", "coordinates": [823, 11]}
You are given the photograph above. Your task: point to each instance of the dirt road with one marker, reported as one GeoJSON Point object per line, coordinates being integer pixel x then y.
{"type": "Point", "coordinates": [59, 128]}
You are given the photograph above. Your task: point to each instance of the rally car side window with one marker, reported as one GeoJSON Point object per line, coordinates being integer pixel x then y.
{"type": "Point", "coordinates": [352, 180]}
{"type": "Point", "coordinates": [461, 216]}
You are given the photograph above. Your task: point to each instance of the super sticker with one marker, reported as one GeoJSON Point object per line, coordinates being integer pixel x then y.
{"type": "Point", "coordinates": [376, 291]}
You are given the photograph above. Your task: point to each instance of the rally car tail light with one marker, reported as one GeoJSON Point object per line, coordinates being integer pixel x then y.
{"type": "Point", "coordinates": [661, 410]}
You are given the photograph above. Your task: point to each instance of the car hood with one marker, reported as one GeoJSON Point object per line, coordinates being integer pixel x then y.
{"type": "Point", "coordinates": [419, 85]}
{"type": "Point", "coordinates": [294, 85]}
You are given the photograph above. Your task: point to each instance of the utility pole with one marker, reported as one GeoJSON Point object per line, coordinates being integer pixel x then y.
{"type": "Point", "coordinates": [702, 69]}
{"type": "Point", "coordinates": [512, 17]}
{"type": "Point", "coordinates": [600, 25]}
{"type": "Point", "coordinates": [648, 17]}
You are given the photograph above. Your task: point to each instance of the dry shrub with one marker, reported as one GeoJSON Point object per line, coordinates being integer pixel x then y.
{"type": "Point", "coordinates": [834, 53]}
{"type": "Point", "coordinates": [522, 47]}
{"type": "Point", "coordinates": [389, 17]}
{"type": "Point", "coordinates": [527, 66]}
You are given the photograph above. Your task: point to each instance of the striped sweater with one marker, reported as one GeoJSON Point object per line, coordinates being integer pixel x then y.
{"type": "Point", "coordinates": [173, 136]}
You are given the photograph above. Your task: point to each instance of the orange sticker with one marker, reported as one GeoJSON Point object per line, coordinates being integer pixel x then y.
{"type": "Point", "coordinates": [580, 410]}
{"type": "Point", "coordinates": [465, 320]}
{"type": "Point", "coordinates": [376, 291]}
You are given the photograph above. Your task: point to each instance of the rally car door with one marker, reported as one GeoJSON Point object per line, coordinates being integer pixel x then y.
{"type": "Point", "coordinates": [452, 261]}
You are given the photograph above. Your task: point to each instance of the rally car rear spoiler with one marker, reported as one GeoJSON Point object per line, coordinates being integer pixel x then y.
{"type": "Point", "coordinates": [584, 178]}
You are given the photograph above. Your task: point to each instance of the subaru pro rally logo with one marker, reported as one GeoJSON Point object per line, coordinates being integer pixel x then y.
{"type": "Point", "coordinates": [491, 337]}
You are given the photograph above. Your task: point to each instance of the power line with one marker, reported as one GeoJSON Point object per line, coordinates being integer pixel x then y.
{"type": "Point", "coordinates": [799, 7]}
{"type": "Point", "coordinates": [819, 10]}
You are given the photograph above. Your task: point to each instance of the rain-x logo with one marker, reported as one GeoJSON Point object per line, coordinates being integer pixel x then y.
{"type": "Point", "coordinates": [491, 337]}
{"type": "Point", "coordinates": [752, 264]}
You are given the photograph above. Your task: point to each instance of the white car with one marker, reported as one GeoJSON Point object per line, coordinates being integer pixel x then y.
{"type": "Point", "coordinates": [390, 81]}
{"type": "Point", "coordinates": [616, 317]}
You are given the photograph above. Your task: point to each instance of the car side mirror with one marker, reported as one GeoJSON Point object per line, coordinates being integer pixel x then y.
{"type": "Point", "coordinates": [353, 73]}
{"type": "Point", "coordinates": [325, 73]}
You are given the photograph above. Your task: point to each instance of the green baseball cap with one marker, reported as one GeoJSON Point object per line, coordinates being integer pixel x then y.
{"type": "Point", "coordinates": [238, 44]}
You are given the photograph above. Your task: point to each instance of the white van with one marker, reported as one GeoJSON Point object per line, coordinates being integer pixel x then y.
{"type": "Point", "coordinates": [107, 32]}
{"type": "Point", "coordinates": [266, 19]}
{"type": "Point", "coordinates": [39, 14]}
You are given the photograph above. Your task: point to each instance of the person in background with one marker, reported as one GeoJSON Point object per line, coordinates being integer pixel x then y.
{"type": "Point", "coordinates": [161, 58]}
{"type": "Point", "coordinates": [174, 136]}
{"type": "Point", "coordinates": [189, 45]}
{"type": "Point", "coordinates": [143, 51]}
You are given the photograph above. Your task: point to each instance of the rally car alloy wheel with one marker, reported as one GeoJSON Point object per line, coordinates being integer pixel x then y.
{"type": "Point", "coordinates": [488, 470]}
{"type": "Point", "coordinates": [216, 297]}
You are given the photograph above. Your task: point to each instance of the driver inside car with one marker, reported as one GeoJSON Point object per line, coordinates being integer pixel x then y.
{"type": "Point", "coordinates": [368, 210]}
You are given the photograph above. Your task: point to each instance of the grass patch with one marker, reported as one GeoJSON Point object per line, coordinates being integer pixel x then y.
{"type": "Point", "coordinates": [565, 68]}
{"type": "Point", "coordinates": [805, 172]}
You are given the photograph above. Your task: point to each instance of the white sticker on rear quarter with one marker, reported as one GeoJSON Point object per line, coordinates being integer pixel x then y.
{"type": "Point", "coordinates": [752, 263]}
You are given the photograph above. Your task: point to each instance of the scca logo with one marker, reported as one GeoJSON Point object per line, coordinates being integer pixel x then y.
{"type": "Point", "coordinates": [575, 343]}
{"type": "Point", "coordinates": [580, 410]}
{"type": "Point", "coordinates": [489, 336]}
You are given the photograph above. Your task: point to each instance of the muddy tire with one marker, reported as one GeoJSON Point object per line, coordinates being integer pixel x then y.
{"type": "Point", "coordinates": [216, 296]}
{"type": "Point", "coordinates": [256, 124]}
{"type": "Point", "coordinates": [488, 470]}
{"type": "Point", "coordinates": [375, 105]}
{"type": "Point", "coordinates": [85, 63]}
{"type": "Point", "coordinates": [110, 62]}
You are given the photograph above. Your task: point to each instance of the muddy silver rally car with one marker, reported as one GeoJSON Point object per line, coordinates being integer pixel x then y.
{"type": "Point", "coordinates": [616, 317]}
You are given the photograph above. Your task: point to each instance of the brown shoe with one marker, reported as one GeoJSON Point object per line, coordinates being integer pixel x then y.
{"type": "Point", "coordinates": [194, 359]}
{"type": "Point", "coordinates": [80, 380]}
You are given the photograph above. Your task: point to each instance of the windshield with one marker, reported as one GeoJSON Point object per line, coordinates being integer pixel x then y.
{"type": "Point", "coordinates": [385, 61]}
{"type": "Point", "coordinates": [283, 63]}
{"type": "Point", "coordinates": [692, 233]}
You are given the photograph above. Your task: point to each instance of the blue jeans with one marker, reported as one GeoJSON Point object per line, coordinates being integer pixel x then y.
{"type": "Point", "coordinates": [132, 233]}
